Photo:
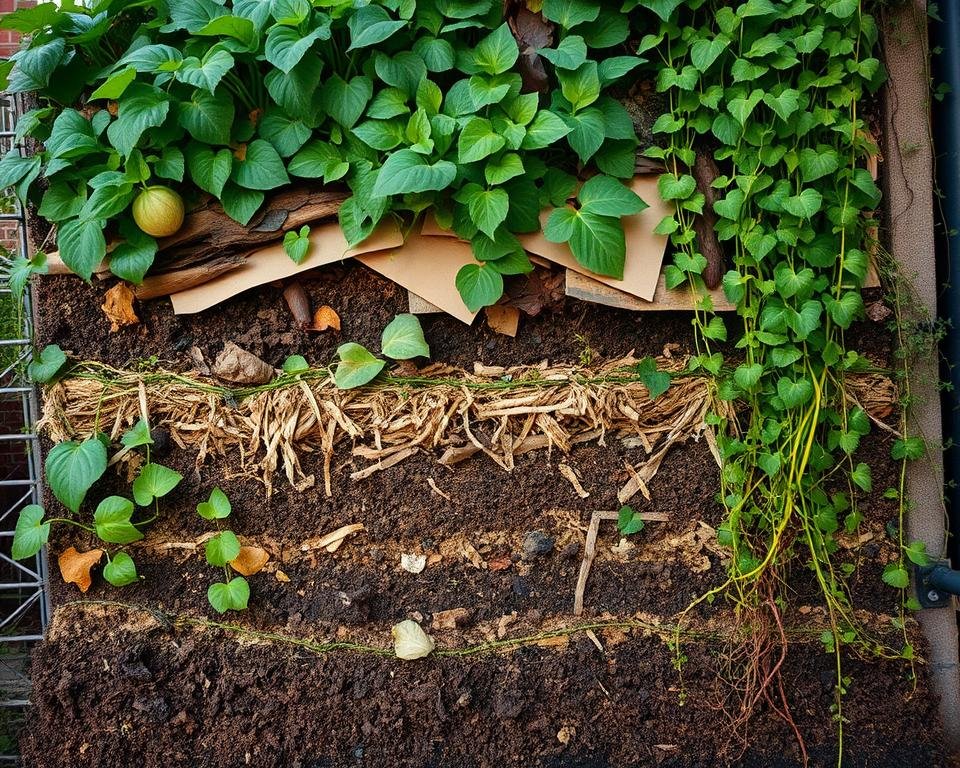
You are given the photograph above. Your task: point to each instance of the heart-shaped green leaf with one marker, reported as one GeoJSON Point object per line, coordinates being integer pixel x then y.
{"type": "Point", "coordinates": [154, 481]}
{"type": "Point", "coordinates": [402, 339]}
{"type": "Point", "coordinates": [112, 523]}
{"type": "Point", "coordinates": [356, 367]}
{"type": "Point", "coordinates": [216, 507]}
{"type": "Point", "coordinates": [121, 570]}
{"type": "Point", "coordinates": [222, 548]}
{"type": "Point", "coordinates": [230, 596]}
{"type": "Point", "coordinates": [73, 467]}
{"type": "Point", "coordinates": [31, 532]}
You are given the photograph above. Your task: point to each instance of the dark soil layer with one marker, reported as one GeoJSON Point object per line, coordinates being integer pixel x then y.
{"type": "Point", "coordinates": [107, 694]}
{"type": "Point", "coordinates": [174, 699]}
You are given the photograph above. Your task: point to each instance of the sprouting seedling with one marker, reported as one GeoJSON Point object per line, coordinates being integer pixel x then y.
{"type": "Point", "coordinates": [402, 339]}
{"type": "Point", "coordinates": [233, 592]}
{"type": "Point", "coordinates": [628, 521]}
{"type": "Point", "coordinates": [72, 469]}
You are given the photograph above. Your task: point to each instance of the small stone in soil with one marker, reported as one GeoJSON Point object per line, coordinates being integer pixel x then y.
{"type": "Point", "coordinates": [537, 544]}
{"type": "Point", "coordinates": [520, 587]}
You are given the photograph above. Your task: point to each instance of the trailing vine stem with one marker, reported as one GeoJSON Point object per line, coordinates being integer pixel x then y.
{"type": "Point", "coordinates": [773, 93]}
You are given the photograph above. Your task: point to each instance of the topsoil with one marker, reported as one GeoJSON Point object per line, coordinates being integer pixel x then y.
{"type": "Point", "coordinates": [119, 686]}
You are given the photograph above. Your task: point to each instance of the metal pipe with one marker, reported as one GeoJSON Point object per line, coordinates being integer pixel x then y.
{"type": "Point", "coordinates": [946, 127]}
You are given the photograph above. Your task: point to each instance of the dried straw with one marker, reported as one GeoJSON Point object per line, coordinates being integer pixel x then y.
{"type": "Point", "coordinates": [501, 413]}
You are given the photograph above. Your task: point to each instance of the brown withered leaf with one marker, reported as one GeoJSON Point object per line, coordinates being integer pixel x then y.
{"type": "Point", "coordinates": [499, 563]}
{"type": "Point", "coordinates": [531, 32]}
{"type": "Point", "coordinates": [450, 619]}
{"type": "Point", "coordinates": [503, 319]}
{"type": "Point", "coordinates": [539, 290]}
{"type": "Point", "coordinates": [75, 566]}
{"type": "Point", "coordinates": [325, 318]}
{"type": "Point", "coordinates": [118, 307]}
{"type": "Point", "coordinates": [250, 560]}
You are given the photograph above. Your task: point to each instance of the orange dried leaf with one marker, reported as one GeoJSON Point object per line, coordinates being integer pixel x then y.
{"type": "Point", "coordinates": [118, 307]}
{"type": "Point", "coordinates": [503, 319]}
{"type": "Point", "coordinates": [75, 566]}
{"type": "Point", "coordinates": [325, 318]}
{"type": "Point", "coordinates": [499, 563]}
{"type": "Point", "coordinates": [250, 561]}
{"type": "Point", "coordinates": [240, 152]}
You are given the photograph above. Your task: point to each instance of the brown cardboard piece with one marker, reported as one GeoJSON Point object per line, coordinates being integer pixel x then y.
{"type": "Point", "coordinates": [645, 249]}
{"type": "Point", "coordinates": [586, 288]}
{"type": "Point", "coordinates": [327, 245]}
{"type": "Point", "coordinates": [420, 306]}
{"type": "Point", "coordinates": [428, 267]}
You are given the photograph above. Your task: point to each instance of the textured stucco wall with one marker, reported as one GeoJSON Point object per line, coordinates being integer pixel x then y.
{"type": "Point", "coordinates": [909, 220]}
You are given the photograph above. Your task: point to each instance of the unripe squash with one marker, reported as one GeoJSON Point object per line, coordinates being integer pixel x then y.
{"type": "Point", "coordinates": [158, 211]}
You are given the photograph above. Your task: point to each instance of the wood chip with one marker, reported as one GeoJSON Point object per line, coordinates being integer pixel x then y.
{"type": "Point", "coordinates": [503, 319]}
{"type": "Point", "coordinates": [329, 538]}
{"type": "Point", "coordinates": [567, 472]}
{"type": "Point", "coordinates": [281, 577]}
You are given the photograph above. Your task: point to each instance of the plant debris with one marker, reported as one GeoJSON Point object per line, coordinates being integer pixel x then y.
{"type": "Point", "coordinates": [118, 307]}
{"type": "Point", "coordinates": [75, 566]}
{"type": "Point", "coordinates": [325, 319]}
{"type": "Point", "coordinates": [250, 560]}
{"type": "Point", "coordinates": [238, 366]}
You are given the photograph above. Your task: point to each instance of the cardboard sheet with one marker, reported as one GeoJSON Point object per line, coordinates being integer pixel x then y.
{"type": "Point", "coordinates": [586, 288]}
{"type": "Point", "coordinates": [327, 245]}
{"type": "Point", "coordinates": [641, 271]}
{"type": "Point", "coordinates": [645, 250]}
{"type": "Point", "coordinates": [428, 267]}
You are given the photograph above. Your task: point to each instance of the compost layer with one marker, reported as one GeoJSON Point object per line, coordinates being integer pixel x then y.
{"type": "Point", "coordinates": [158, 692]}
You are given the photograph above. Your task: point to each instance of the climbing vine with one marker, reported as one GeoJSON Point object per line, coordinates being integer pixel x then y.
{"type": "Point", "coordinates": [774, 93]}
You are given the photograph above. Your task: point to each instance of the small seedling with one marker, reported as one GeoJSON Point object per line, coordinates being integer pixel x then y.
{"type": "Point", "coordinates": [628, 521]}
{"type": "Point", "coordinates": [233, 593]}
{"type": "Point", "coordinates": [72, 469]}
{"type": "Point", "coordinates": [402, 339]}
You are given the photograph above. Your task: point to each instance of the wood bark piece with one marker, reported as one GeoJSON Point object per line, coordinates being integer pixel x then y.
{"type": "Point", "coordinates": [208, 232]}
{"type": "Point", "coordinates": [165, 283]}
{"type": "Point", "coordinates": [705, 171]}
{"type": "Point", "coordinates": [209, 236]}
{"type": "Point", "coordinates": [238, 366]}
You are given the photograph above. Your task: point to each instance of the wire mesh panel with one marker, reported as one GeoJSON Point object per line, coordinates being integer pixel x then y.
{"type": "Point", "coordinates": [24, 605]}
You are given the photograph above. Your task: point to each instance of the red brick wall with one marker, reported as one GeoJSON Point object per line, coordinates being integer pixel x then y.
{"type": "Point", "coordinates": [10, 41]}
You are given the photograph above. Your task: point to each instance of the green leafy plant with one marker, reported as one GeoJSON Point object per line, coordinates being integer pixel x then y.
{"type": "Point", "coordinates": [44, 368]}
{"type": "Point", "coordinates": [402, 339]}
{"type": "Point", "coordinates": [73, 468]}
{"type": "Point", "coordinates": [628, 521]}
{"type": "Point", "coordinates": [233, 593]}
{"type": "Point", "coordinates": [773, 93]}
{"type": "Point", "coordinates": [411, 105]}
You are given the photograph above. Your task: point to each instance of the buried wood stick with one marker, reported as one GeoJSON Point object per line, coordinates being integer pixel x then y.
{"type": "Point", "coordinates": [590, 550]}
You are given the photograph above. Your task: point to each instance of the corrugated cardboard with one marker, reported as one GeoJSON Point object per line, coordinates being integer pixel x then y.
{"type": "Point", "coordinates": [327, 245]}
{"type": "Point", "coordinates": [428, 267]}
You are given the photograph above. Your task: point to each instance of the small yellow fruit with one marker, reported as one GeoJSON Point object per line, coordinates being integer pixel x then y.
{"type": "Point", "coordinates": [158, 211]}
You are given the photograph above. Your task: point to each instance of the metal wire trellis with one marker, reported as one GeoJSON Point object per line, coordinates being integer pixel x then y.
{"type": "Point", "coordinates": [24, 603]}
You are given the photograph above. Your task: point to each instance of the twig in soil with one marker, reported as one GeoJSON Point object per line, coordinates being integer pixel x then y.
{"type": "Point", "coordinates": [590, 550]}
